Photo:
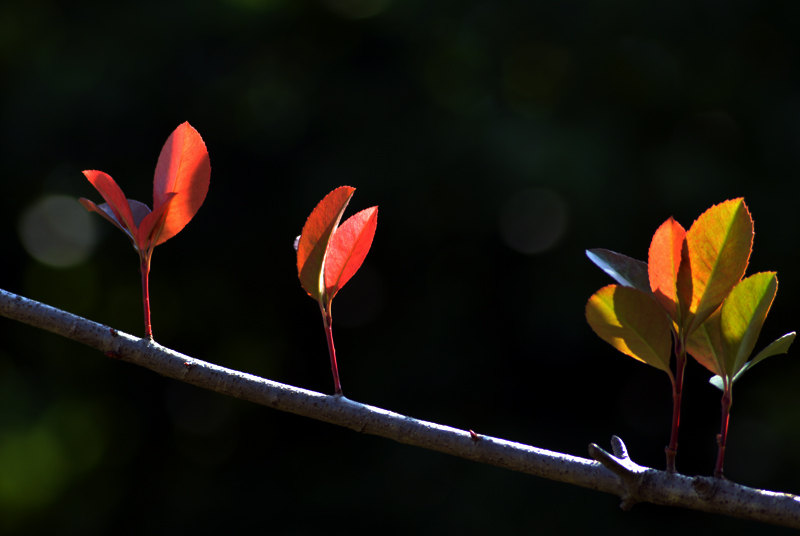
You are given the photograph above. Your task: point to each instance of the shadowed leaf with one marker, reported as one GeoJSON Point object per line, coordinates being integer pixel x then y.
{"type": "Point", "coordinates": [624, 270]}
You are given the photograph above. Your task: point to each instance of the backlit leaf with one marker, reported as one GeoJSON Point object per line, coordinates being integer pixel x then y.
{"type": "Point", "coordinates": [742, 317]}
{"type": "Point", "coordinates": [624, 270]}
{"type": "Point", "coordinates": [184, 169]}
{"type": "Point", "coordinates": [347, 249]}
{"type": "Point", "coordinates": [317, 232]}
{"type": "Point", "coordinates": [719, 245]}
{"type": "Point", "coordinates": [633, 323]}
{"type": "Point", "coordinates": [663, 261]}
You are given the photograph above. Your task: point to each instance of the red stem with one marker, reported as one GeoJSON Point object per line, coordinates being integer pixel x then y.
{"type": "Point", "coordinates": [677, 389]}
{"type": "Point", "coordinates": [722, 438]}
{"type": "Point", "coordinates": [145, 269]}
{"type": "Point", "coordinates": [326, 320]}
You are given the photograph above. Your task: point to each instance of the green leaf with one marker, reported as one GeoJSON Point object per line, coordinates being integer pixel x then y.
{"type": "Point", "coordinates": [624, 270]}
{"type": "Point", "coordinates": [742, 317]}
{"type": "Point", "coordinates": [778, 346]}
{"type": "Point", "coordinates": [633, 323]}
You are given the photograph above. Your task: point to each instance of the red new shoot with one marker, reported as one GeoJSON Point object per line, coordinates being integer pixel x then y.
{"type": "Point", "coordinates": [329, 255]}
{"type": "Point", "coordinates": [179, 188]}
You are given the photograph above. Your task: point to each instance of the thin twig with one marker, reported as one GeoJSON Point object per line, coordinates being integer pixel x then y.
{"type": "Point", "coordinates": [615, 473]}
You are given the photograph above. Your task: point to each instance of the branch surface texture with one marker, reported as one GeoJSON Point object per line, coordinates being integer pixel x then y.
{"type": "Point", "coordinates": [608, 472]}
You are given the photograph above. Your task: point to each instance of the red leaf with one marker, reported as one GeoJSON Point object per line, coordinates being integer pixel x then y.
{"type": "Point", "coordinates": [104, 210]}
{"type": "Point", "coordinates": [313, 245]}
{"type": "Point", "coordinates": [664, 261]}
{"type": "Point", "coordinates": [183, 168]}
{"type": "Point", "coordinates": [114, 197]}
{"type": "Point", "coordinates": [152, 225]}
{"type": "Point", "coordinates": [347, 249]}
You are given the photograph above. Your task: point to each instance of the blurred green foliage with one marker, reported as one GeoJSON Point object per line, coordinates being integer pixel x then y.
{"type": "Point", "coordinates": [603, 118]}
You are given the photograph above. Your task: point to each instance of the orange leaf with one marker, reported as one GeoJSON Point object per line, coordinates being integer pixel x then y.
{"type": "Point", "coordinates": [633, 323]}
{"type": "Point", "coordinates": [719, 245]}
{"type": "Point", "coordinates": [664, 261]}
{"type": "Point", "coordinates": [347, 249]}
{"type": "Point", "coordinates": [313, 243]}
{"type": "Point", "coordinates": [183, 168]}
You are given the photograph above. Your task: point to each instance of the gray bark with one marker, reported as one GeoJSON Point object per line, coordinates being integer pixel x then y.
{"type": "Point", "coordinates": [611, 473]}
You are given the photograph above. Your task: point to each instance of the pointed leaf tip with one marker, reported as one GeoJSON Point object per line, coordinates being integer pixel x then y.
{"type": "Point", "coordinates": [315, 237]}
{"type": "Point", "coordinates": [778, 346]}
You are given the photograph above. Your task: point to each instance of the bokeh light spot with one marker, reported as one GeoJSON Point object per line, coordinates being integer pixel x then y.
{"type": "Point", "coordinates": [57, 231]}
{"type": "Point", "coordinates": [533, 220]}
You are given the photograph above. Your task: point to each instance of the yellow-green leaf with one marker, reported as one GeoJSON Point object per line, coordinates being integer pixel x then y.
{"type": "Point", "coordinates": [742, 317]}
{"type": "Point", "coordinates": [719, 245]}
{"type": "Point", "coordinates": [633, 323]}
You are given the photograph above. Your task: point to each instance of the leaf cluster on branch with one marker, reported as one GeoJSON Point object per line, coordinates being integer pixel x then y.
{"type": "Point", "coordinates": [690, 297]}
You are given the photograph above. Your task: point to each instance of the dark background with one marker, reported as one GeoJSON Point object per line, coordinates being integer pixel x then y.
{"type": "Point", "coordinates": [500, 140]}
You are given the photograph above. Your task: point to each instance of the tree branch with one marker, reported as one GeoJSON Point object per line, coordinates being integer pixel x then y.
{"type": "Point", "coordinates": [611, 473]}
